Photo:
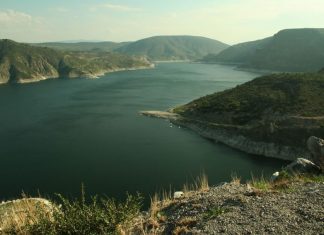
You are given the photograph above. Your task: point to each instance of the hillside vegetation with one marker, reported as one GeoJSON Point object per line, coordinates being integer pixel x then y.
{"type": "Point", "coordinates": [154, 48]}
{"type": "Point", "coordinates": [24, 63]}
{"type": "Point", "coordinates": [293, 50]}
{"type": "Point", "coordinates": [173, 47]}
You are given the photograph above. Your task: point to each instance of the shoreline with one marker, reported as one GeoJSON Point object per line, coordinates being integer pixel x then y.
{"type": "Point", "coordinates": [246, 69]}
{"type": "Point", "coordinates": [229, 136]}
{"type": "Point", "coordinates": [87, 76]}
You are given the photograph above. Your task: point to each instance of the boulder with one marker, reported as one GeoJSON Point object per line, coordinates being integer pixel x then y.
{"type": "Point", "coordinates": [316, 147]}
{"type": "Point", "coordinates": [302, 166]}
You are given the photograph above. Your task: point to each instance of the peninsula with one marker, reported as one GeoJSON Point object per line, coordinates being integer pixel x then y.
{"type": "Point", "coordinates": [272, 116]}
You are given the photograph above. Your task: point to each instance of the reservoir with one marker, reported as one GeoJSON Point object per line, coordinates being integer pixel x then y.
{"type": "Point", "coordinates": [59, 133]}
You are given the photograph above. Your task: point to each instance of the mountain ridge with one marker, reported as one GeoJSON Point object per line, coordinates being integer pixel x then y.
{"type": "Point", "coordinates": [182, 47]}
{"type": "Point", "coordinates": [289, 50]}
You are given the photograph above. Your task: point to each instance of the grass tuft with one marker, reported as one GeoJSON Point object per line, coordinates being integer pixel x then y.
{"type": "Point", "coordinates": [214, 212]}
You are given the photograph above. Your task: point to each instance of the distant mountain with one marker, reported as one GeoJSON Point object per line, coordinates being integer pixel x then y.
{"type": "Point", "coordinates": [25, 63]}
{"type": "Point", "coordinates": [293, 50]}
{"type": "Point", "coordinates": [173, 47]}
{"type": "Point", "coordinates": [82, 46]}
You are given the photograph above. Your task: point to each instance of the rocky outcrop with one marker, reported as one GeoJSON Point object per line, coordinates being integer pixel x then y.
{"type": "Point", "coordinates": [316, 147]}
{"type": "Point", "coordinates": [302, 166]}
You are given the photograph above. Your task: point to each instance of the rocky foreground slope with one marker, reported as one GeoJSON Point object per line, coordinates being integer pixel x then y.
{"type": "Point", "coordinates": [234, 208]}
{"type": "Point", "coordinates": [22, 63]}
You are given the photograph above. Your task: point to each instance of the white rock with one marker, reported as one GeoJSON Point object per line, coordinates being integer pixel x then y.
{"type": "Point", "coordinates": [274, 176]}
{"type": "Point", "coordinates": [178, 194]}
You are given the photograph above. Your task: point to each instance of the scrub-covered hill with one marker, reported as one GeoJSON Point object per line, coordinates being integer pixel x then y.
{"type": "Point", "coordinates": [292, 50]}
{"type": "Point", "coordinates": [173, 47]}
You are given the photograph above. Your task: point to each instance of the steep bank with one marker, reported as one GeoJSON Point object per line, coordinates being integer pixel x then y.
{"type": "Point", "coordinates": [22, 63]}
{"type": "Point", "coordinates": [233, 137]}
{"type": "Point", "coordinates": [230, 136]}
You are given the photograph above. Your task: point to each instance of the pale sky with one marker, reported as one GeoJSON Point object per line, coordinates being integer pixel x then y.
{"type": "Point", "coordinates": [230, 21]}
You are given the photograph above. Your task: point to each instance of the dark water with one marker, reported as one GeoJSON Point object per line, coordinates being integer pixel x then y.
{"type": "Point", "coordinates": [58, 133]}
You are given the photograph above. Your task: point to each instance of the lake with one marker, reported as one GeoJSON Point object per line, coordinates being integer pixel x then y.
{"type": "Point", "coordinates": [59, 133]}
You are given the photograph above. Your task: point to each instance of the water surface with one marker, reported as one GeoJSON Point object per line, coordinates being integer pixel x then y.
{"type": "Point", "coordinates": [58, 133]}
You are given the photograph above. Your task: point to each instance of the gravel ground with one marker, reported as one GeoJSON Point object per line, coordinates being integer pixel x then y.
{"type": "Point", "coordinates": [234, 208]}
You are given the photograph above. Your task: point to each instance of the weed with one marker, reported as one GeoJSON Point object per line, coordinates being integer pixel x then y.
{"type": "Point", "coordinates": [214, 212]}
{"type": "Point", "coordinates": [260, 184]}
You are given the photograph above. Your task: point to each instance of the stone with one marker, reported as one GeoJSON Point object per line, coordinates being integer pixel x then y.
{"type": "Point", "coordinates": [301, 166]}
{"type": "Point", "coordinates": [274, 176]}
{"type": "Point", "coordinates": [178, 194]}
{"type": "Point", "coordinates": [316, 147]}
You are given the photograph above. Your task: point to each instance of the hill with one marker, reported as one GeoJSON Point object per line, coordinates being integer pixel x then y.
{"type": "Point", "coordinates": [82, 46]}
{"type": "Point", "coordinates": [291, 50]}
{"type": "Point", "coordinates": [271, 116]}
{"type": "Point", "coordinates": [173, 47]}
{"type": "Point", "coordinates": [25, 63]}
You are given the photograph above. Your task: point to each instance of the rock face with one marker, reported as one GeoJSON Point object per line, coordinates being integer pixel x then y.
{"type": "Point", "coordinates": [228, 135]}
{"type": "Point", "coordinates": [243, 143]}
{"type": "Point", "coordinates": [302, 165]}
{"type": "Point", "coordinates": [316, 147]}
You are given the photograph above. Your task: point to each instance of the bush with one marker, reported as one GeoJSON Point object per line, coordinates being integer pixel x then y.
{"type": "Point", "coordinates": [100, 216]}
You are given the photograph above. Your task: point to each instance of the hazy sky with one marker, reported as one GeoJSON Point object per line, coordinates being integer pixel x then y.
{"type": "Point", "coordinates": [230, 21]}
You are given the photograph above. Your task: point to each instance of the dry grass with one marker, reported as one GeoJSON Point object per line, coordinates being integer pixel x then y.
{"type": "Point", "coordinates": [200, 184]}
{"type": "Point", "coordinates": [235, 179]}
{"type": "Point", "coordinates": [187, 221]}
{"type": "Point", "coordinates": [284, 182]}
{"type": "Point", "coordinates": [16, 215]}
{"type": "Point", "coordinates": [180, 230]}
{"type": "Point", "coordinates": [160, 201]}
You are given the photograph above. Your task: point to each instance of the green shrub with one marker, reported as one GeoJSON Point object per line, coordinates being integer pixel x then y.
{"type": "Point", "coordinates": [100, 216]}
